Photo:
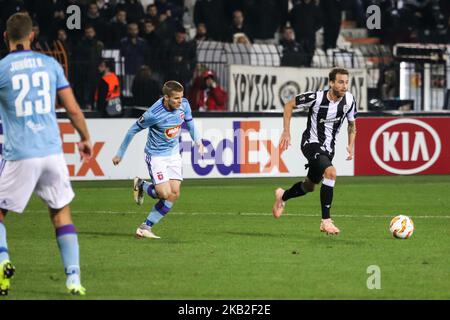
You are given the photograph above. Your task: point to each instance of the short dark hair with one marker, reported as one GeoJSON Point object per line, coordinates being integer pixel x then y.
{"type": "Point", "coordinates": [109, 63]}
{"type": "Point", "coordinates": [19, 26]}
{"type": "Point", "coordinates": [335, 71]}
{"type": "Point", "coordinates": [89, 26]}
{"type": "Point", "coordinates": [172, 86]}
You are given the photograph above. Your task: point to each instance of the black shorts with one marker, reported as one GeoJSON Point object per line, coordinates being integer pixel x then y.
{"type": "Point", "coordinates": [318, 160]}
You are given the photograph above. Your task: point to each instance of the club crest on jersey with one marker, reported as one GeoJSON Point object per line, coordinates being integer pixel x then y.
{"type": "Point", "coordinates": [182, 115]}
{"type": "Point", "coordinates": [346, 108]}
{"type": "Point", "coordinates": [172, 132]}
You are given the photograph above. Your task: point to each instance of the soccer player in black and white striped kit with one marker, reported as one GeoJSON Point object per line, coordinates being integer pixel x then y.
{"type": "Point", "coordinates": [327, 110]}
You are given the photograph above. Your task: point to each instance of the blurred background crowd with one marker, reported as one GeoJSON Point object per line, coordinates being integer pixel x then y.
{"type": "Point", "coordinates": [158, 40]}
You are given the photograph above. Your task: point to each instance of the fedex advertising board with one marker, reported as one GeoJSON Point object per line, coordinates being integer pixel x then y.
{"type": "Point", "coordinates": [236, 147]}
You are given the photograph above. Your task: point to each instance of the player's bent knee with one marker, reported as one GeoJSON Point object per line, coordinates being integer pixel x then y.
{"type": "Point", "coordinates": [164, 194]}
{"type": "Point", "coordinates": [330, 173]}
{"type": "Point", "coordinates": [173, 196]}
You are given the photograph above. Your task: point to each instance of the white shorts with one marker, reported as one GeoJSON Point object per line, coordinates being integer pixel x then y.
{"type": "Point", "coordinates": [163, 169]}
{"type": "Point", "coordinates": [47, 176]}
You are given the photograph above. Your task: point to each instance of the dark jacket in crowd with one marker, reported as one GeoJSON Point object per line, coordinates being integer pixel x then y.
{"type": "Point", "coordinates": [265, 16]}
{"type": "Point", "coordinates": [182, 60]}
{"type": "Point", "coordinates": [134, 9]}
{"type": "Point", "coordinates": [134, 53]}
{"type": "Point", "coordinates": [305, 20]}
{"type": "Point", "coordinates": [145, 90]}
{"type": "Point", "coordinates": [213, 14]}
{"type": "Point", "coordinates": [116, 32]}
{"type": "Point", "coordinates": [294, 54]}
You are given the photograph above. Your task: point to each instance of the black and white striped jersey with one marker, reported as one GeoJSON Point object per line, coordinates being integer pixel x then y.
{"type": "Point", "coordinates": [325, 117]}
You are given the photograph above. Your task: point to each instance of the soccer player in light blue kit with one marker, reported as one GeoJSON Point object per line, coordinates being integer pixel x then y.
{"type": "Point", "coordinates": [32, 153]}
{"type": "Point", "coordinates": [162, 153]}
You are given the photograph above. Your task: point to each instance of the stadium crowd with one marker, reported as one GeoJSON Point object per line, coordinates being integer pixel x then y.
{"type": "Point", "coordinates": [155, 38]}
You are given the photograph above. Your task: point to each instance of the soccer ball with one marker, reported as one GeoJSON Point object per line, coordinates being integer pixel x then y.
{"type": "Point", "coordinates": [401, 227]}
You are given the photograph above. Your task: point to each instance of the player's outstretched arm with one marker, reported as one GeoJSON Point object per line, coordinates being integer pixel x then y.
{"type": "Point", "coordinates": [351, 139]}
{"type": "Point", "coordinates": [76, 116]}
{"type": "Point", "coordinates": [285, 140]}
{"type": "Point", "coordinates": [135, 128]}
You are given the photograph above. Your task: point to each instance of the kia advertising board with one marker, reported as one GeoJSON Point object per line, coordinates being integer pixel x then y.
{"type": "Point", "coordinates": [403, 146]}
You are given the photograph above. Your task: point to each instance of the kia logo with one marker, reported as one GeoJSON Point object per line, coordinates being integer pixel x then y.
{"type": "Point", "coordinates": [405, 146]}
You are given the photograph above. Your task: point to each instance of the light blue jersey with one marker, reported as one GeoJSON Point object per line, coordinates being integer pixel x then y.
{"type": "Point", "coordinates": [28, 85]}
{"type": "Point", "coordinates": [164, 128]}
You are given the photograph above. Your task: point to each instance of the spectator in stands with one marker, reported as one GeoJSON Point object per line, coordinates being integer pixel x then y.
{"type": "Point", "coordinates": [182, 55]}
{"type": "Point", "coordinates": [40, 41]}
{"type": "Point", "coordinates": [241, 38]}
{"type": "Point", "coordinates": [208, 95]}
{"type": "Point", "coordinates": [107, 8]}
{"type": "Point", "coordinates": [238, 26]}
{"type": "Point", "coordinates": [93, 18]}
{"type": "Point", "coordinates": [448, 31]}
{"type": "Point", "coordinates": [58, 17]}
{"type": "Point", "coordinates": [107, 94]}
{"type": "Point", "coordinates": [293, 53]}
{"type": "Point", "coordinates": [213, 14]}
{"type": "Point", "coordinates": [87, 55]}
{"type": "Point", "coordinates": [152, 14]}
{"type": "Point", "coordinates": [331, 11]}
{"type": "Point", "coordinates": [155, 50]}
{"type": "Point", "coordinates": [43, 13]}
{"type": "Point", "coordinates": [389, 86]}
{"type": "Point", "coordinates": [133, 48]}
{"type": "Point", "coordinates": [145, 89]}
{"type": "Point", "coordinates": [201, 33]}
{"type": "Point", "coordinates": [305, 19]}
{"type": "Point", "coordinates": [61, 36]}
{"type": "Point", "coordinates": [149, 34]}
{"type": "Point", "coordinates": [166, 29]}
{"type": "Point", "coordinates": [265, 17]}
{"type": "Point", "coordinates": [117, 29]}
{"type": "Point", "coordinates": [170, 9]}
{"type": "Point", "coordinates": [134, 9]}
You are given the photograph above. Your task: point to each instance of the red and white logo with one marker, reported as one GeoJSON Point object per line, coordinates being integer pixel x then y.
{"type": "Point", "coordinates": [172, 132]}
{"type": "Point", "coordinates": [405, 146]}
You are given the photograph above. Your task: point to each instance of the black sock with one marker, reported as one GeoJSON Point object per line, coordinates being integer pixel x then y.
{"type": "Point", "coordinates": [296, 190]}
{"type": "Point", "coordinates": [326, 198]}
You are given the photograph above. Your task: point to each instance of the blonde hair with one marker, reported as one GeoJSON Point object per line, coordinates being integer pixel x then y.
{"type": "Point", "coordinates": [172, 86]}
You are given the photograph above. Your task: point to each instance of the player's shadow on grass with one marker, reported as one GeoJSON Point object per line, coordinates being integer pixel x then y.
{"type": "Point", "coordinates": [255, 234]}
{"type": "Point", "coordinates": [106, 234]}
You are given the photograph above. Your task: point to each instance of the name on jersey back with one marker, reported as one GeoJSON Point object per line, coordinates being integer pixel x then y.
{"type": "Point", "coordinates": [28, 63]}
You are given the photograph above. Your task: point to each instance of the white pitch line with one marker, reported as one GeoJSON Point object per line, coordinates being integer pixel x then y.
{"type": "Point", "coordinates": [251, 214]}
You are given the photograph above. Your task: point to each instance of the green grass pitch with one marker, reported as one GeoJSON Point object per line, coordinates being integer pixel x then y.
{"type": "Point", "coordinates": [220, 241]}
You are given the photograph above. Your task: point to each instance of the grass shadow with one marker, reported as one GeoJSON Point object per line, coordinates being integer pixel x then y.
{"type": "Point", "coordinates": [106, 234]}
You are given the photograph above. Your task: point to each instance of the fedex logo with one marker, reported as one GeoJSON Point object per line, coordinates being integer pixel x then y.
{"type": "Point", "coordinates": [67, 129]}
{"type": "Point", "coordinates": [245, 149]}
